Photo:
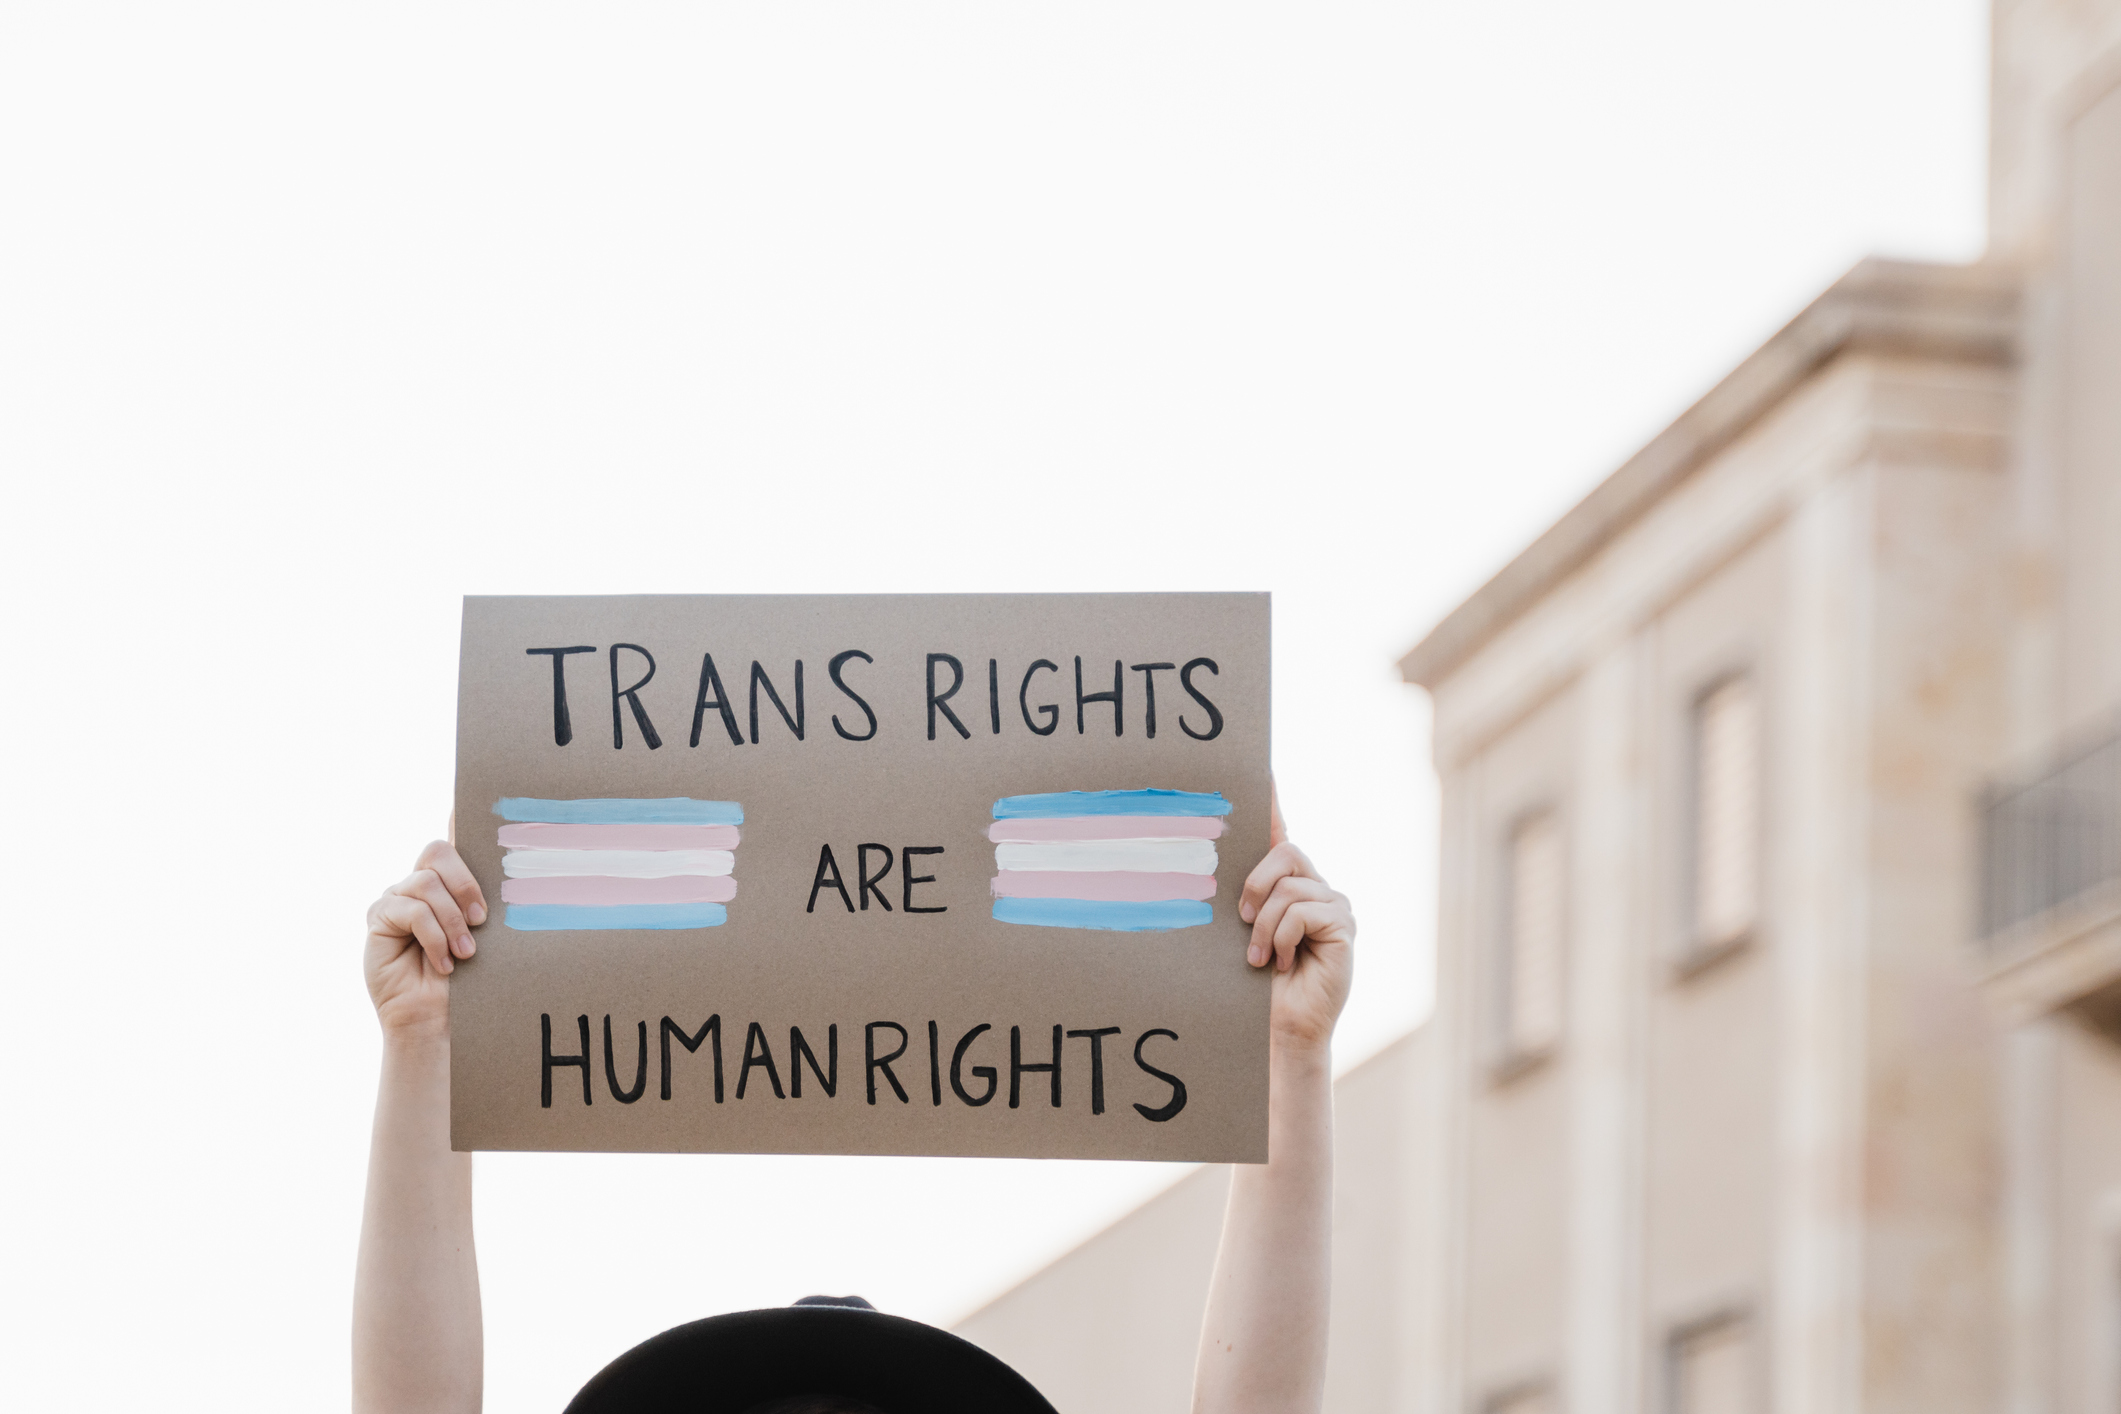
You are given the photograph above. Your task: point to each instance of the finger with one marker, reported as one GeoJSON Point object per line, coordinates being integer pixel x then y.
{"type": "Point", "coordinates": [1277, 831]}
{"type": "Point", "coordinates": [1281, 861]}
{"type": "Point", "coordinates": [405, 917]}
{"type": "Point", "coordinates": [442, 857]}
{"type": "Point", "coordinates": [1296, 925]}
{"type": "Point", "coordinates": [410, 920]}
{"type": "Point", "coordinates": [426, 886]}
{"type": "Point", "coordinates": [1289, 890]}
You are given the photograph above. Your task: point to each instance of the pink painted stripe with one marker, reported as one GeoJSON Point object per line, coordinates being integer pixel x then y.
{"type": "Point", "coordinates": [1107, 827]}
{"type": "Point", "coordinates": [619, 837]}
{"type": "Point", "coordinates": [1117, 886]}
{"type": "Point", "coordinates": [685, 888]}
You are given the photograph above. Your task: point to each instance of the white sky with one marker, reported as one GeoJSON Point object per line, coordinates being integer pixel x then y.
{"type": "Point", "coordinates": [314, 318]}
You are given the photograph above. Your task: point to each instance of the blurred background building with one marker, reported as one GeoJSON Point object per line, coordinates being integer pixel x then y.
{"type": "Point", "coordinates": [1776, 1059]}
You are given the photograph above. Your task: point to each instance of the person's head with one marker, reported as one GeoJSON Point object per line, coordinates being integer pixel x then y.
{"type": "Point", "coordinates": [820, 1403]}
{"type": "Point", "coordinates": [824, 1355]}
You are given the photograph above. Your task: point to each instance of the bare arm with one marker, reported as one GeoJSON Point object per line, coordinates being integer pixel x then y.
{"type": "Point", "coordinates": [417, 1339]}
{"type": "Point", "coordinates": [1263, 1342]}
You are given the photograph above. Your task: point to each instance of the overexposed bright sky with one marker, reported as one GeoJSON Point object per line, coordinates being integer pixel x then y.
{"type": "Point", "coordinates": [314, 318]}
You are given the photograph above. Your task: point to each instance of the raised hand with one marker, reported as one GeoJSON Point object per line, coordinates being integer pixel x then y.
{"type": "Point", "coordinates": [417, 932]}
{"type": "Point", "coordinates": [1306, 932]}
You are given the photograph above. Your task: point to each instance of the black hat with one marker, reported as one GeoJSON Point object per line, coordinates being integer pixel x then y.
{"type": "Point", "coordinates": [727, 1364]}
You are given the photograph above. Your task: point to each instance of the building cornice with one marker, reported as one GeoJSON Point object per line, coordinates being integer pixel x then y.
{"type": "Point", "coordinates": [1956, 313]}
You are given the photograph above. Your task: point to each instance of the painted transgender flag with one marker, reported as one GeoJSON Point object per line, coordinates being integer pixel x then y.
{"type": "Point", "coordinates": [579, 864]}
{"type": "Point", "coordinates": [1130, 861]}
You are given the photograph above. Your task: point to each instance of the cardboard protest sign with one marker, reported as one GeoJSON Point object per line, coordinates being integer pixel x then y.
{"type": "Point", "coordinates": [945, 874]}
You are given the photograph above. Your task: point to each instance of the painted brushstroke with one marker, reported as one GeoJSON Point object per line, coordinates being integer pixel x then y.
{"type": "Point", "coordinates": [1105, 827]}
{"type": "Point", "coordinates": [1104, 914]}
{"type": "Point", "coordinates": [619, 836]}
{"type": "Point", "coordinates": [615, 863]}
{"type": "Point", "coordinates": [1104, 856]}
{"type": "Point", "coordinates": [680, 888]}
{"type": "Point", "coordinates": [1118, 888]}
{"type": "Point", "coordinates": [675, 810]}
{"type": "Point", "coordinates": [1060, 804]}
{"type": "Point", "coordinates": [557, 917]}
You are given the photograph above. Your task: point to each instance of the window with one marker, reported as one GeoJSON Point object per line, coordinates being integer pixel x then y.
{"type": "Point", "coordinates": [1533, 935]}
{"type": "Point", "coordinates": [1712, 1368]}
{"type": "Point", "coordinates": [1726, 844]}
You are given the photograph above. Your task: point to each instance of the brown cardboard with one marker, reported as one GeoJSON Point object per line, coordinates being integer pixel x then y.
{"type": "Point", "coordinates": [775, 964]}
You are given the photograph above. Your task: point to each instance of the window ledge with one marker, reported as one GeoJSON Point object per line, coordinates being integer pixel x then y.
{"type": "Point", "coordinates": [2059, 957]}
{"type": "Point", "coordinates": [1517, 1064]}
{"type": "Point", "coordinates": [1703, 958]}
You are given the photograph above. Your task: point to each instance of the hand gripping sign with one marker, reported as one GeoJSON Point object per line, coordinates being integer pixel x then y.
{"type": "Point", "coordinates": [863, 874]}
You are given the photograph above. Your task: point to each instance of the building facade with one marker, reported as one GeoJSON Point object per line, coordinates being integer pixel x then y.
{"type": "Point", "coordinates": [1776, 1060]}
{"type": "Point", "coordinates": [2051, 919]}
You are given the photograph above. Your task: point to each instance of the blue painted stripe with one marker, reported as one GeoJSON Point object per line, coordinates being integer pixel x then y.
{"type": "Point", "coordinates": [675, 810]}
{"type": "Point", "coordinates": [1104, 914]}
{"type": "Point", "coordinates": [1062, 804]}
{"type": "Point", "coordinates": [548, 917]}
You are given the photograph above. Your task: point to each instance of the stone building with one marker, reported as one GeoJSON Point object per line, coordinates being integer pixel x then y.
{"type": "Point", "coordinates": [1776, 1060]}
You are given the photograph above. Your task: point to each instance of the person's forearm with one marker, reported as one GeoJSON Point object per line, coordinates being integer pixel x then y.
{"type": "Point", "coordinates": [417, 1339]}
{"type": "Point", "coordinates": [1263, 1343]}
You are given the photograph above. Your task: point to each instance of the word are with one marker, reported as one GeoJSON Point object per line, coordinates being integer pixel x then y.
{"type": "Point", "coordinates": [828, 876]}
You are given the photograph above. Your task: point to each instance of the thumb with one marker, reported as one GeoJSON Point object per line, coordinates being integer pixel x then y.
{"type": "Point", "coordinates": [1277, 832]}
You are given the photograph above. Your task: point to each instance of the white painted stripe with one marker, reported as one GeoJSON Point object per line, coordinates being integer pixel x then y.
{"type": "Point", "coordinates": [615, 863]}
{"type": "Point", "coordinates": [1131, 856]}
